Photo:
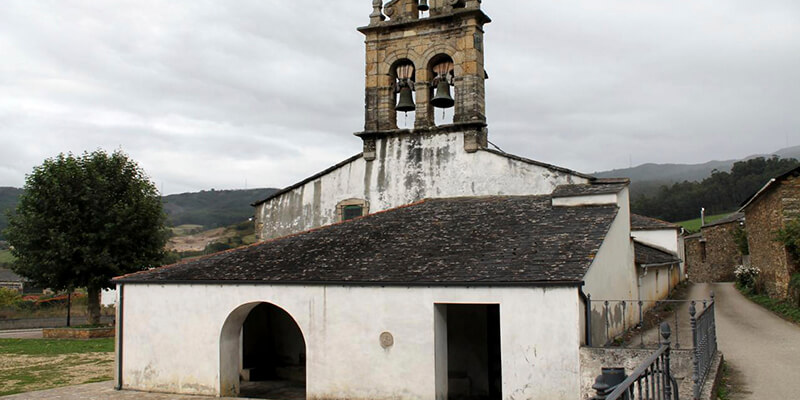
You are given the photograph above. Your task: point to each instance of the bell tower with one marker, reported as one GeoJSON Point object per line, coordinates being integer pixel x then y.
{"type": "Point", "coordinates": [424, 55]}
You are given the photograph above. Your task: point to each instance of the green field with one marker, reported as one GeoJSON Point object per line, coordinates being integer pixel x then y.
{"type": "Point", "coordinates": [6, 257]}
{"type": "Point", "coordinates": [186, 229]}
{"type": "Point", "coordinates": [693, 225]}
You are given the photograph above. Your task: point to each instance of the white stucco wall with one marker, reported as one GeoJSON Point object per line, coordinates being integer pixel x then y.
{"type": "Point", "coordinates": [589, 200]}
{"type": "Point", "coordinates": [657, 283]}
{"type": "Point", "coordinates": [407, 169]}
{"type": "Point", "coordinates": [172, 337]}
{"type": "Point", "coordinates": [612, 275]}
{"type": "Point", "coordinates": [664, 238]}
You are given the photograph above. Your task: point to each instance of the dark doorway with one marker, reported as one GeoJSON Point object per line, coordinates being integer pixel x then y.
{"type": "Point", "coordinates": [273, 355]}
{"type": "Point", "coordinates": [468, 338]}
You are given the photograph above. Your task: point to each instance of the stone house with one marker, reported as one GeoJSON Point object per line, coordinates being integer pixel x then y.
{"type": "Point", "coordinates": [712, 255]}
{"type": "Point", "coordinates": [426, 267]}
{"type": "Point", "coordinates": [765, 212]}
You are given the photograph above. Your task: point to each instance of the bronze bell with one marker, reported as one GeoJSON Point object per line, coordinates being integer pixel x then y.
{"type": "Point", "coordinates": [423, 5]}
{"type": "Point", "coordinates": [443, 98]}
{"type": "Point", "coordinates": [406, 102]}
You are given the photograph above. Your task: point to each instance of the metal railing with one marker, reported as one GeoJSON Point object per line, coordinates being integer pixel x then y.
{"type": "Point", "coordinates": [704, 339]}
{"type": "Point", "coordinates": [651, 380]}
{"type": "Point", "coordinates": [616, 327]}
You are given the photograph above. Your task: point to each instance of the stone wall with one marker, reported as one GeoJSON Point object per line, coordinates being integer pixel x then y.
{"type": "Point", "coordinates": [594, 359]}
{"type": "Point", "coordinates": [721, 254]}
{"type": "Point", "coordinates": [764, 216]}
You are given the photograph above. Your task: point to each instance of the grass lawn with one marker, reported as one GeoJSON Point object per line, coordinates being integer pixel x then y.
{"type": "Point", "coordinates": [36, 364]}
{"type": "Point", "coordinates": [6, 257]}
{"type": "Point", "coordinates": [693, 225]}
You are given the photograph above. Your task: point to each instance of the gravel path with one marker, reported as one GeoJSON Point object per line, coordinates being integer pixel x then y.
{"type": "Point", "coordinates": [21, 334]}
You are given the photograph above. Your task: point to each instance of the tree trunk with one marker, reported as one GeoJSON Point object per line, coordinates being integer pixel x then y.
{"type": "Point", "coordinates": [93, 305]}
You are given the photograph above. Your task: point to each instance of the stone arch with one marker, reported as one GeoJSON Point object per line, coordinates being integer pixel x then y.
{"type": "Point", "coordinates": [393, 57]}
{"type": "Point", "coordinates": [430, 55]}
{"type": "Point", "coordinates": [230, 345]}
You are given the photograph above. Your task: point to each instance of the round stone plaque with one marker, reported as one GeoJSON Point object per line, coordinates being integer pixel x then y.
{"type": "Point", "coordinates": [387, 340]}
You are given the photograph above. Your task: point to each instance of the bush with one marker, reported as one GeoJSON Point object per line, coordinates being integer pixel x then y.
{"type": "Point", "coordinates": [9, 297]}
{"type": "Point", "coordinates": [789, 235]}
{"type": "Point", "coordinates": [746, 277]}
{"type": "Point", "coordinates": [740, 238]}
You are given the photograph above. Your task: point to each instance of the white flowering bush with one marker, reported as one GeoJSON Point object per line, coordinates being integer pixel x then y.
{"type": "Point", "coordinates": [746, 276]}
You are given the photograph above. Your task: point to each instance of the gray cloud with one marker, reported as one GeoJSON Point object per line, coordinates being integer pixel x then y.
{"type": "Point", "coordinates": [212, 94]}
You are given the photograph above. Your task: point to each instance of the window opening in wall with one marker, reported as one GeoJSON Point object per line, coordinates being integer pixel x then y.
{"type": "Point", "coordinates": [351, 208]}
{"type": "Point", "coordinates": [404, 90]}
{"type": "Point", "coordinates": [468, 358]}
{"type": "Point", "coordinates": [352, 211]}
{"type": "Point", "coordinates": [702, 251]}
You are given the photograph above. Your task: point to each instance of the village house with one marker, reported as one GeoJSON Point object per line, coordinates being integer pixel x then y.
{"type": "Point", "coordinates": [429, 266]}
{"type": "Point", "coordinates": [712, 254]}
{"type": "Point", "coordinates": [10, 280]}
{"type": "Point", "coordinates": [766, 212]}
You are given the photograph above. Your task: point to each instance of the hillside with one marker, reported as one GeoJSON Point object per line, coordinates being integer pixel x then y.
{"type": "Point", "coordinates": [211, 209]}
{"type": "Point", "coordinates": [8, 200]}
{"type": "Point", "coordinates": [647, 179]}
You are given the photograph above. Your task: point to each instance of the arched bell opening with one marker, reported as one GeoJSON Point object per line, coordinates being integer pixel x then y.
{"type": "Point", "coordinates": [442, 90]}
{"type": "Point", "coordinates": [404, 78]}
{"type": "Point", "coordinates": [262, 354]}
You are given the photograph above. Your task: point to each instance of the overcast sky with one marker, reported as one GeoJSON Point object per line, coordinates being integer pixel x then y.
{"type": "Point", "coordinates": [223, 94]}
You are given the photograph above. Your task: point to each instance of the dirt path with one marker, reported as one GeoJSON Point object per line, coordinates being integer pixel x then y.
{"type": "Point", "coordinates": [762, 349]}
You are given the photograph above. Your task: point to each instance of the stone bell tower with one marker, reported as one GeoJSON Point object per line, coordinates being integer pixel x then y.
{"type": "Point", "coordinates": [425, 54]}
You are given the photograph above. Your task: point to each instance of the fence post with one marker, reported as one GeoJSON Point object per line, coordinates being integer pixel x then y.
{"type": "Point", "coordinates": [696, 351]}
{"type": "Point", "coordinates": [665, 333]}
{"type": "Point", "coordinates": [607, 323]}
{"type": "Point", "coordinates": [641, 324]}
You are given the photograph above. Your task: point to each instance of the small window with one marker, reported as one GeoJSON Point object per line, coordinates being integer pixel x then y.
{"type": "Point", "coordinates": [351, 212]}
{"type": "Point", "coordinates": [351, 208]}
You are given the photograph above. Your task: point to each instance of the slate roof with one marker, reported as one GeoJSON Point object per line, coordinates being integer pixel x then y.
{"type": "Point", "coordinates": [6, 275]}
{"type": "Point", "coordinates": [642, 223]}
{"type": "Point", "coordinates": [735, 217]}
{"type": "Point", "coordinates": [651, 255]}
{"type": "Point", "coordinates": [589, 189]}
{"type": "Point", "coordinates": [769, 185]}
{"type": "Point", "coordinates": [456, 241]}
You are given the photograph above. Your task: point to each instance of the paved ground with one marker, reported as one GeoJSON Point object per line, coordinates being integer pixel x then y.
{"type": "Point", "coordinates": [762, 349]}
{"type": "Point", "coordinates": [21, 334]}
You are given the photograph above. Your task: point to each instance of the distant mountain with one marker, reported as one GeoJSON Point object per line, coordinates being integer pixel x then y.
{"type": "Point", "coordinates": [8, 201]}
{"type": "Point", "coordinates": [648, 178]}
{"type": "Point", "coordinates": [212, 208]}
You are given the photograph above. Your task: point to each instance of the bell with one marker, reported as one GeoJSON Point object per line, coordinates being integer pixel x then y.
{"type": "Point", "coordinates": [406, 102]}
{"type": "Point", "coordinates": [443, 98]}
{"type": "Point", "coordinates": [423, 5]}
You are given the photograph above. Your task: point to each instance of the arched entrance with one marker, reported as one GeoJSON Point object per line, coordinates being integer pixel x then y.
{"type": "Point", "coordinates": [262, 354]}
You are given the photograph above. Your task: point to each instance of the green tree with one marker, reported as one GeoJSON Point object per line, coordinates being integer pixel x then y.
{"type": "Point", "coordinates": [82, 220]}
{"type": "Point", "coordinates": [789, 235]}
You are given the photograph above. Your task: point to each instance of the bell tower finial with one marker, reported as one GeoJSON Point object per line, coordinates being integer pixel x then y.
{"type": "Point", "coordinates": [421, 56]}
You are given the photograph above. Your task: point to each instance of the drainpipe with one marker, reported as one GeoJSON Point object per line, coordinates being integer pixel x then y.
{"type": "Point", "coordinates": [119, 336]}
{"type": "Point", "coordinates": [587, 326]}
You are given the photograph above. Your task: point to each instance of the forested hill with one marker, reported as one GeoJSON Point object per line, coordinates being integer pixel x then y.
{"type": "Point", "coordinates": [722, 192]}
{"type": "Point", "coordinates": [213, 208]}
{"type": "Point", "coordinates": [8, 200]}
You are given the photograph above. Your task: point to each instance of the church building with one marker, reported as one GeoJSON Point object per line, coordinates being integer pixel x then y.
{"type": "Point", "coordinates": [428, 266]}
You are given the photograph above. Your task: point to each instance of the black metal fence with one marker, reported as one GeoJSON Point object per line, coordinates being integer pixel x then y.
{"type": "Point", "coordinates": [704, 340]}
{"type": "Point", "coordinates": [624, 323]}
{"type": "Point", "coordinates": [651, 380]}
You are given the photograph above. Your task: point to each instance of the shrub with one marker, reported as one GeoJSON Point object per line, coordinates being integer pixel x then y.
{"type": "Point", "coordinates": [9, 297]}
{"type": "Point", "coordinates": [746, 277]}
{"type": "Point", "coordinates": [789, 235]}
{"type": "Point", "coordinates": [740, 238]}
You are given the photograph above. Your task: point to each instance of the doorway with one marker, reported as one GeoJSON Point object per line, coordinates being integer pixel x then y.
{"type": "Point", "coordinates": [266, 358]}
{"type": "Point", "coordinates": [468, 354]}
